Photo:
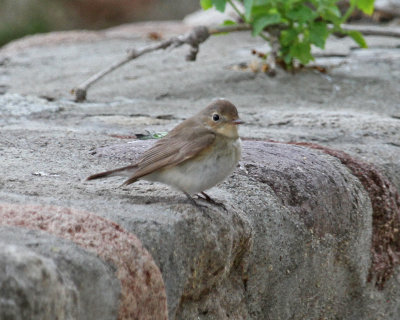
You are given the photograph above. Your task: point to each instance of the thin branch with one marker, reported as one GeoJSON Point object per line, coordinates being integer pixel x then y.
{"type": "Point", "coordinates": [373, 30]}
{"type": "Point", "coordinates": [271, 58]}
{"type": "Point", "coordinates": [194, 38]}
{"type": "Point", "coordinates": [264, 37]}
{"type": "Point", "coordinates": [349, 11]}
{"type": "Point", "coordinates": [200, 34]}
{"type": "Point", "coordinates": [364, 29]}
{"type": "Point", "coordinates": [241, 15]}
{"type": "Point", "coordinates": [80, 91]}
{"type": "Point", "coordinates": [230, 28]}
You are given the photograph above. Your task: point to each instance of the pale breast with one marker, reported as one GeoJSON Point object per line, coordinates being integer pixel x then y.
{"type": "Point", "coordinates": [202, 172]}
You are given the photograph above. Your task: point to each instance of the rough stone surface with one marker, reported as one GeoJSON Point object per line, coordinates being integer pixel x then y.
{"type": "Point", "coordinates": [31, 287]}
{"type": "Point", "coordinates": [295, 241]}
{"type": "Point", "coordinates": [385, 200]}
{"type": "Point", "coordinates": [328, 217]}
{"type": "Point", "coordinates": [388, 6]}
{"type": "Point", "coordinates": [229, 268]}
{"type": "Point", "coordinates": [142, 290]}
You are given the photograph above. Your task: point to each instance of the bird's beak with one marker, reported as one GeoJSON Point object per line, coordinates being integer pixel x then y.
{"type": "Point", "coordinates": [237, 121]}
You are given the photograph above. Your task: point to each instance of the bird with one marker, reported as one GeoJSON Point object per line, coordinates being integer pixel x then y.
{"type": "Point", "coordinates": [197, 154]}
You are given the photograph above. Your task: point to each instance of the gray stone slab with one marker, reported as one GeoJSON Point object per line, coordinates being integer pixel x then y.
{"type": "Point", "coordinates": [295, 240]}
{"type": "Point", "coordinates": [43, 277]}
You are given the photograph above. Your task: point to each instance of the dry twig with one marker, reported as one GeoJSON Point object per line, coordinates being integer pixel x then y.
{"type": "Point", "coordinates": [373, 30]}
{"type": "Point", "coordinates": [200, 34]}
{"type": "Point", "coordinates": [194, 38]}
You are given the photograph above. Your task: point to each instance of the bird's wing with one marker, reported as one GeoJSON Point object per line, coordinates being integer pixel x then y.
{"type": "Point", "coordinates": [181, 144]}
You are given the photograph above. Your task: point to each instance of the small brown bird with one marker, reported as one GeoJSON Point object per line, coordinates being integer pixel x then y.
{"type": "Point", "coordinates": [196, 155]}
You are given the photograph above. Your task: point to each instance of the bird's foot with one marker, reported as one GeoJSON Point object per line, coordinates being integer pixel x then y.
{"type": "Point", "coordinates": [201, 207]}
{"type": "Point", "coordinates": [207, 198]}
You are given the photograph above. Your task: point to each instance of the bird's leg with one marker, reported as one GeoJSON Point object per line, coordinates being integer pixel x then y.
{"type": "Point", "coordinates": [207, 198]}
{"type": "Point", "coordinates": [191, 200]}
{"type": "Point", "coordinates": [197, 205]}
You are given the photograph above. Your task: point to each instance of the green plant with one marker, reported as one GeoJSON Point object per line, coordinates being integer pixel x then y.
{"type": "Point", "coordinates": [293, 26]}
{"type": "Point", "coordinates": [34, 25]}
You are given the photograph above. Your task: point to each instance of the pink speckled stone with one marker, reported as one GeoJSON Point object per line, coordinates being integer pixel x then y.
{"type": "Point", "coordinates": [143, 292]}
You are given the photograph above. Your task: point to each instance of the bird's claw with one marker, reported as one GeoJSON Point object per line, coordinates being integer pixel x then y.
{"type": "Point", "coordinates": [207, 198]}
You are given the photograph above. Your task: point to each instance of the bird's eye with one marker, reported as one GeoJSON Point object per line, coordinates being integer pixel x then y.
{"type": "Point", "coordinates": [215, 117]}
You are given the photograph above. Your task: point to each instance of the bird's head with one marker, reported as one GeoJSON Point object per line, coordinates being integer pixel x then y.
{"type": "Point", "coordinates": [222, 117]}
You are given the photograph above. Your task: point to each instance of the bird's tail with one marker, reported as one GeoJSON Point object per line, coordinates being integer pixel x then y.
{"type": "Point", "coordinates": [124, 171]}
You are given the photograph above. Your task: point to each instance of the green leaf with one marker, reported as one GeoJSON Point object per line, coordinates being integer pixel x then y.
{"type": "Point", "coordinates": [228, 23]}
{"type": "Point", "coordinates": [288, 37]}
{"type": "Point", "coordinates": [151, 135]}
{"type": "Point", "coordinates": [301, 51]}
{"type": "Point", "coordinates": [261, 2]}
{"type": "Point", "coordinates": [358, 37]}
{"type": "Point", "coordinates": [366, 6]}
{"type": "Point", "coordinates": [206, 4]}
{"type": "Point", "coordinates": [219, 4]}
{"type": "Point", "coordinates": [318, 33]}
{"type": "Point", "coordinates": [301, 14]}
{"type": "Point", "coordinates": [287, 58]}
{"type": "Point", "coordinates": [259, 10]}
{"type": "Point", "coordinates": [248, 4]}
{"type": "Point", "coordinates": [334, 11]}
{"type": "Point", "coordinates": [331, 13]}
{"type": "Point", "coordinates": [260, 22]}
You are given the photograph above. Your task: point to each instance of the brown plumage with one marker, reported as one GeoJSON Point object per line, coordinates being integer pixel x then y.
{"type": "Point", "coordinates": [209, 135]}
